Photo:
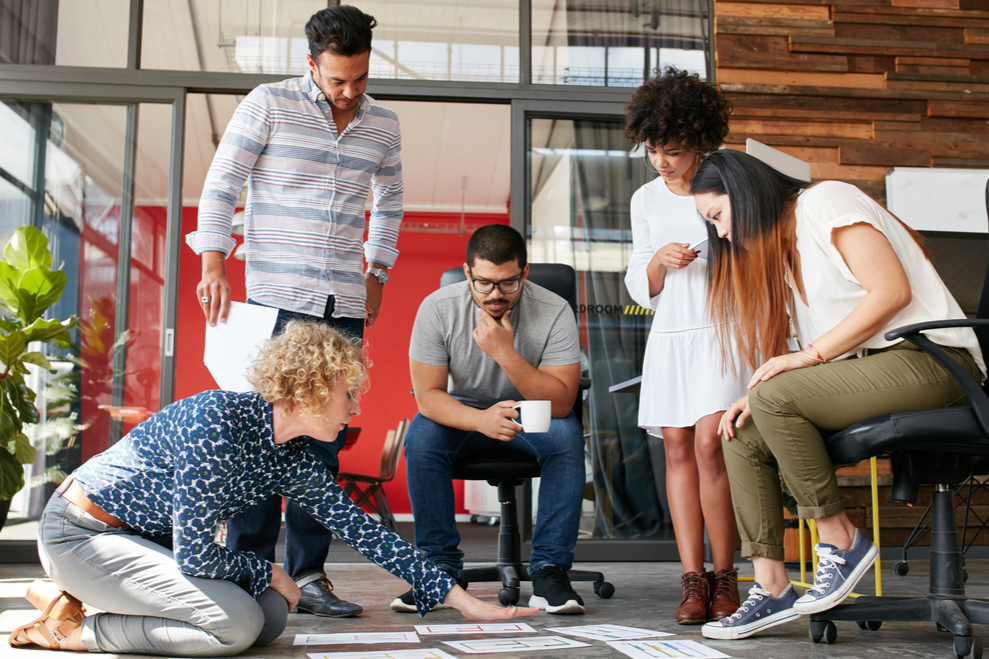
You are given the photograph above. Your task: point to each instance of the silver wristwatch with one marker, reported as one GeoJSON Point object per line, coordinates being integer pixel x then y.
{"type": "Point", "coordinates": [379, 274]}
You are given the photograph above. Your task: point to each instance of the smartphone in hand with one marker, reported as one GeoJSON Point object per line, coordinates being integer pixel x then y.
{"type": "Point", "coordinates": [700, 248]}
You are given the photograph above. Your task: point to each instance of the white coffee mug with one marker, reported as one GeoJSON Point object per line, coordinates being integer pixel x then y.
{"type": "Point", "coordinates": [534, 415]}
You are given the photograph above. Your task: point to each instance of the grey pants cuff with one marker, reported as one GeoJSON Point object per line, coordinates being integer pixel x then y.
{"type": "Point", "coordinates": [763, 551]}
{"type": "Point", "coordinates": [820, 512]}
{"type": "Point", "coordinates": [309, 578]}
{"type": "Point", "coordinates": [88, 635]}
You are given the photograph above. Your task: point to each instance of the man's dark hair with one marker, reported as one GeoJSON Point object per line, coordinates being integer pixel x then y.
{"type": "Point", "coordinates": [342, 30]}
{"type": "Point", "coordinates": [497, 243]}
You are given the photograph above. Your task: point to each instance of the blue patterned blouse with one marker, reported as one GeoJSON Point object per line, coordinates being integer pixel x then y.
{"type": "Point", "coordinates": [211, 456]}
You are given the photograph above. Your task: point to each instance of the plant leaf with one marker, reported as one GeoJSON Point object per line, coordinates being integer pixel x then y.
{"type": "Point", "coordinates": [11, 347]}
{"type": "Point", "coordinates": [24, 452]}
{"type": "Point", "coordinates": [9, 277]}
{"type": "Point", "coordinates": [28, 248]}
{"type": "Point", "coordinates": [23, 398]}
{"type": "Point", "coordinates": [38, 289]}
{"type": "Point", "coordinates": [10, 421]}
{"type": "Point", "coordinates": [51, 330]}
{"type": "Point", "coordinates": [37, 359]}
{"type": "Point", "coordinates": [11, 475]}
{"type": "Point", "coordinates": [53, 474]}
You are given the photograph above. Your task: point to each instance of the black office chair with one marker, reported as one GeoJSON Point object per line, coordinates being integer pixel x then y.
{"type": "Point", "coordinates": [940, 447]}
{"type": "Point", "coordinates": [506, 469]}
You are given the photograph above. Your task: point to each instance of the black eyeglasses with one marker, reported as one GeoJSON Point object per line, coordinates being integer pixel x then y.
{"type": "Point", "coordinates": [507, 286]}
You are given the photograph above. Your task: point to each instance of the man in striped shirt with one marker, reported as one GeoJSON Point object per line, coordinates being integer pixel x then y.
{"type": "Point", "coordinates": [310, 149]}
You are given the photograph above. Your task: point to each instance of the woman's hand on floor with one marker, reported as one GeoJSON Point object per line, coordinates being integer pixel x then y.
{"type": "Point", "coordinates": [734, 417]}
{"type": "Point", "coordinates": [475, 609]}
{"type": "Point", "coordinates": [285, 586]}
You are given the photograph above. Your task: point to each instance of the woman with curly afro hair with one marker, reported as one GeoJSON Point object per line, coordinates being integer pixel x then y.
{"type": "Point", "coordinates": [678, 118]}
{"type": "Point", "coordinates": [201, 460]}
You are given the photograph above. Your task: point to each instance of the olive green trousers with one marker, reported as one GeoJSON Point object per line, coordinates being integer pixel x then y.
{"type": "Point", "coordinates": [782, 436]}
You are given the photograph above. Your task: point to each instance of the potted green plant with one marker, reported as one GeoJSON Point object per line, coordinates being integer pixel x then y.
{"type": "Point", "coordinates": [28, 287]}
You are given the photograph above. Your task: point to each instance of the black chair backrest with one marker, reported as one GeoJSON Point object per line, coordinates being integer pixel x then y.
{"type": "Point", "coordinates": [556, 277]}
{"type": "Point", "coordinates": [981, 332]}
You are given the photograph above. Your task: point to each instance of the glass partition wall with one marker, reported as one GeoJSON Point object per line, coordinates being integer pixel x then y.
{"type": "Point", "coordinates": [93, 146]}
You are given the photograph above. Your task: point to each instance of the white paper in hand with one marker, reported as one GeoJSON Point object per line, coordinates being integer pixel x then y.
{"type": "Point", "coordinates": [231, 346]}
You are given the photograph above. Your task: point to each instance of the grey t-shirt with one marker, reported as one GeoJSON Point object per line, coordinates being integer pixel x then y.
{"type": "Point", "coordinates": [545, 334]}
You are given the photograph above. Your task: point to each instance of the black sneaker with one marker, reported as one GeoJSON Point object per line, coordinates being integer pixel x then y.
{"type": "Point", "coordinates": [551, 590]}
{"type": "Point", "coordinates": [406, 602]}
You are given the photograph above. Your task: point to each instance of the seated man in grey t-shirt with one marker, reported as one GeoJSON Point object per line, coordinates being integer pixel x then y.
{"type": "Point", "coordinates": [477, 348]}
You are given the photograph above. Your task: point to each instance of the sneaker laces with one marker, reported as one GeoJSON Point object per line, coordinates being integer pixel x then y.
{"type": "Point", "coordinates": [756, 595]}
{"type": "Point", "coordinates": [827, 560]}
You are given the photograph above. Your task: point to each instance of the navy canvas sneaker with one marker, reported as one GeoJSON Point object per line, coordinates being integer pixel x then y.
{"type": "Point", "coordinates": [837, 573]}
{"type": "Point", "coordinates": [551, 590]}
{"type": "Point", "coordinates": [758, 612]}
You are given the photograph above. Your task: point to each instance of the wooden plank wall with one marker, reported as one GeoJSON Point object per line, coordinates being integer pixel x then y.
{"type": "Point", "coordinates": [858, 86]}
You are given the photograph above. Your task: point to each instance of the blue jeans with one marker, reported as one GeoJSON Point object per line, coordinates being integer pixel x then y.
{"type": "Point", "coordinates": [306, 540]}
{"type": "Point", "coordinates": [431, 448]}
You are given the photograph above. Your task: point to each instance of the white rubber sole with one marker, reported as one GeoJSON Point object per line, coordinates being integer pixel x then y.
{"type": "Point", "coordinates": [571, 607]}
{"type": "Point", "coordinates": [806, 606]}
{"type": "Point", "coordinates": [716, 631]}
{"type": "Point", "coordinates": [398, 605]}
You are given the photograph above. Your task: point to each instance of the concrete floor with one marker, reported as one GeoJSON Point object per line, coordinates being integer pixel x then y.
{"type": "Point", "coordinates": [646, 596]}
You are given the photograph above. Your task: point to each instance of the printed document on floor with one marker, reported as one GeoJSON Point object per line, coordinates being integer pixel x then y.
{"type": "Point", "coordinates": [521, 644]}
{"type": "Point", "coordinates": [483, 628]}
{"type": "Point", "coordinates": [365, 637]}
{"type": "Point", "coordinates": [233, 345]}
{"type": "Point", "coordinates": [666, 649]}
{"type": "Point", "coordinates": [418, 653]}
{"type": "Point", "coordinates": [607, 632]}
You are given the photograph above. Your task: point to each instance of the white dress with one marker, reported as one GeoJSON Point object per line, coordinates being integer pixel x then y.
{"type": "Point", "coordinates": [682, 375]}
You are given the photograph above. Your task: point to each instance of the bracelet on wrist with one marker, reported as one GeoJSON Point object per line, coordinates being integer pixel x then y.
{"type": "Point", "coordinates": [817, 355]}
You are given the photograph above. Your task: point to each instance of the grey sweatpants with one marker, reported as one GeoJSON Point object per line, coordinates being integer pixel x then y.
{"type": "Point", "coordinates": [150, 606]}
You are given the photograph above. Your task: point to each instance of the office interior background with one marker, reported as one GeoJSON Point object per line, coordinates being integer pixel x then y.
{"type": "Point", "coordinates": [511, 112]}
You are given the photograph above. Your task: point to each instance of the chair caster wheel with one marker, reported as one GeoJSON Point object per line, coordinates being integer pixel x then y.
{"type": "Point", "coordinates": [603, 589]}
{"type": "Point", "coordinates": [870, 625]}
{"type": "Point", "coordinates": [901, 569]}
{"type": "Point", "coordinates": [823, 630]}
{"type": "Point", "coordinates": [508, 596]}
{"type": "Point", "coordinates": [968, 647]}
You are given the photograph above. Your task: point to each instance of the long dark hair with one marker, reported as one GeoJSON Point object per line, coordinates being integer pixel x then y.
{"type": "Point", "coordinates": [748, 290]}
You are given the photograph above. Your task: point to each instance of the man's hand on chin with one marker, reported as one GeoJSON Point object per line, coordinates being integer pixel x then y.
{"type": "Point", "coordinates": [495, 336]}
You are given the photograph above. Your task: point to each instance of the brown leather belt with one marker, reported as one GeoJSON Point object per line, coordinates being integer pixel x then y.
{"type": "Point", "coordinates": [72, 492]}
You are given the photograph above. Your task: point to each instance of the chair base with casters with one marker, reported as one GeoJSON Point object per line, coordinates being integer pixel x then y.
{"type": "Point", "coordinates": [507, 469]}
{"type": "Point", "coordinates": [922, 452]}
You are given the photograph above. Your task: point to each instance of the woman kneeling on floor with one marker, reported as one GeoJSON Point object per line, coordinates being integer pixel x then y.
{"type": "Point", "coordinates": [200, 460]}
{"type": "Point", "coordinates": [848, 272]}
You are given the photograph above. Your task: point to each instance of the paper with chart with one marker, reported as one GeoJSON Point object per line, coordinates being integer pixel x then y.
{"type": "Point", "coordinates": [418, 653]}
{"type": "Point", "coordinates": [483, 628]}
{"type": "Point", "coordinates": [365, 637]}
{"type": "Point", "coordinates": [521, 644]}
{"type": "Point", "coordinates": [607, 632]}
{"type": "Point", "coordinates": [231, 346]}
{"type": "Point", "coordinates": [667, 650]}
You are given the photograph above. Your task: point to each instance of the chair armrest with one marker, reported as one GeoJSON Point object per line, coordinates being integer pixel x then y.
{"type": "Point", "coordinates": [973, 390]}
{"type": "Point", "coordinates": [901, 332]}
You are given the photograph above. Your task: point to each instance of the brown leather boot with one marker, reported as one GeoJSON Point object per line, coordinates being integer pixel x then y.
{"type": "Point", "coordinates": [696, 596]}
{"type": "Point", "coordinates": [724, 593]}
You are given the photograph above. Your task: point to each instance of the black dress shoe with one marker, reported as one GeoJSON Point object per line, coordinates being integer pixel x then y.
{"type": "Point", "coordinates": [318, 598]}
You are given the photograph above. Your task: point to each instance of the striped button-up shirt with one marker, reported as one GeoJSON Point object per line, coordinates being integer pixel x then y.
{"type": "Point", "coordinates": [307, 186]}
